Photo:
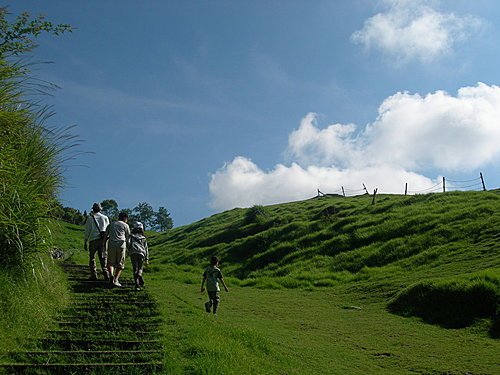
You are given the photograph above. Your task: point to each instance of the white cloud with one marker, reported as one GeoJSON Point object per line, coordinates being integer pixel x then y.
{"type": "Point", "coordinates": [411, 134]}
{"type": "Point", "coordinates": [437, 130]}
{"type": "Point", "coordinates": [241, 183]}
{"type": "Point", "coordinates": [412, 30]}
{"type": "Point", "coordinates": [335, 145]}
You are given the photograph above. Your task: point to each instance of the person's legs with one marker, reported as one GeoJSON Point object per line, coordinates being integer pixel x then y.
{"type": "Point", "coordinates": [118, 272]}
{"type": "Point", "coordinates": [120, 258]}
{"type": "Point", "coordinates": [93, 248]}
{"type": "Point", "coordinates": [140, 267]}
{"type": "Point", "coordinates": [111, 261]}
{"type": "Point", "coordinates": [208, 304]}
{"type": "Point", "coordinates": [135, 266]}
{"type": "Point", "coordinates": [215, 302]}
{"type": "Point", "coordinates": [111, 276]}
{"type": "Point", "coordinates": [103, 259]}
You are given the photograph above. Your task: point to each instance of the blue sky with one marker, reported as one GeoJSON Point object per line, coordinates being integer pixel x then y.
{"type": "Point", "coordinates": [202, 106]}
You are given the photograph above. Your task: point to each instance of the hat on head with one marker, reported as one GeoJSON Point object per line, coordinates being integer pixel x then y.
{"type": "Point", "coordinates": [96, 207]}
{"type": "Point", "coordinates": [138, 224]}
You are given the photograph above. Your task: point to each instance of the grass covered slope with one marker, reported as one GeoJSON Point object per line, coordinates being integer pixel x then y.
{"type": "Point", "coordinates": [403, 248]}
{"type": "Point", "coordinates": [30, 298]}
{"type": "Point", "coordinates": [324, 305]}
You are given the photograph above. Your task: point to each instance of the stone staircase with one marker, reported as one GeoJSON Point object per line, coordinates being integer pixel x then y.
{"type": "Point", "coordinates": [104, 330]}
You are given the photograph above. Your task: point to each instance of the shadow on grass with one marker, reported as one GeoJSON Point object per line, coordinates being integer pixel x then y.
{"type": "Point", "coordinates": [451, 304]}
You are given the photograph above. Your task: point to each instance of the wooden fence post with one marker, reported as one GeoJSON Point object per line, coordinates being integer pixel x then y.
{"type": "Point", "coordinates": [444, 185]}
{"type": "Point", "coordinates": [406, 188]}
{"type": "Point", "coordinates": [343, 191]}
{"type": "Point", "coordinates": [364, 187]}
{"type": "Point", "coordinates": [482, 181]}
{"type": "Point", "coordinates": [374, 194]}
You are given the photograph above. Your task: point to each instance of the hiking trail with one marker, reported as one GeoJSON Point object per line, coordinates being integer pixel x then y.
{"type": "Point", "coordinates": [103, 330]}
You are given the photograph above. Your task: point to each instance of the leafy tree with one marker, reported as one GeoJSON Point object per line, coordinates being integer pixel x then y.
{"type": "Point", "coordinates": [67, 214]}
{"type": "Point", "coordinates": [163, 221]}
{"type": "Point", "coordinates": [110, 209]}
{"type": "Point", "coordinates": [18, 37]}
{"type": "Point", "coordinates": [131, 216]}
{"type": "Point", "coordinates": [145, 214]}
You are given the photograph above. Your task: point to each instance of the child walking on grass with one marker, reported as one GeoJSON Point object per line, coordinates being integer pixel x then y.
{"type": "Point", "coordinates": [139, 253]}
{"type": "Point", "coordinates": [211, 277]}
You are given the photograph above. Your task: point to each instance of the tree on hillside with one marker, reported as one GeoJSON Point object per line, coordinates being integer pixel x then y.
{"type": "Point", "coordinates": [110, 209]}
{"type": "Point", "coordinates": [131, 216]}
{"type": "Point", "coordinates": [145, 214]}
{"type": "Point", "coordinates": [67, 214]}
{"type": "Point", "coordinates": [163, 221]}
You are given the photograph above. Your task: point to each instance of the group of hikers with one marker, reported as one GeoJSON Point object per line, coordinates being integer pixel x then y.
{"type": "Point", "coordinates": [111, 242]}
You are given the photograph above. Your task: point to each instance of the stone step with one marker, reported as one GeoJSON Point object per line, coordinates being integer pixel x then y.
{"type": "Point", "coordinates": [99, 334]}
{"type": "Point", "coordinates": [99, 344]}
{"type": "Point", "coordinates": [84, 356]}
{"type": "Point", "coordinates": [83, 368]}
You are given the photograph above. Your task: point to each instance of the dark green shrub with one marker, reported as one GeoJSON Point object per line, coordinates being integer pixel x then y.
{"type": "Point", "coordinates": [495, 326]}
{"type": "Point", "coordinates": [256, 215]}
{"type": "Point", "coordinates": [449, 304]}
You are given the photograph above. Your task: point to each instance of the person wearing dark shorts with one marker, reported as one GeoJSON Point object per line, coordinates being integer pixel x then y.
{"type": "Point", "coordinates": [139, 253]}
{"type": "Point", "coordinates": [211, 278]}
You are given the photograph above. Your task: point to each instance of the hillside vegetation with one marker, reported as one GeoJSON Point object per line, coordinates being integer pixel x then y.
{"type": "Point", "coordinates": [31, 167]}
{"type": "Point", "coordinates": [330, 286]}
{"type": "Point", "coordinates": [435, 256]}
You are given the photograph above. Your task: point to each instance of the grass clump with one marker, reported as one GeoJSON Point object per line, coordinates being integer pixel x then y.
{"type": "Point", "coordinates": [27, 304]}
{"type": "Point", "coordinates": [256, 215]}
{"type": "Point", "coordinates": [455, 303]}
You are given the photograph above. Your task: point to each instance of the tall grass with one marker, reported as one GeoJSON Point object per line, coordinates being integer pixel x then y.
{"type": "Point", "coordinates": [31, 165]}
{"type": "Point", "coordinates": [28, 304]}
{"type": "Point", "coordinates": [32, 156]}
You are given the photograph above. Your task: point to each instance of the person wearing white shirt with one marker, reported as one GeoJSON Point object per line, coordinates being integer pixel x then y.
{"type": "Point", "coordinates": [95, 240]}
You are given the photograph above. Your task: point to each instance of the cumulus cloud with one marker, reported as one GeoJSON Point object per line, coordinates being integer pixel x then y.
{"type": "Point", "coordinates": [411, 134]}
{"type": "Point", "coordinates": [241, 183]}
{"type": "Point", "coordinates": [415, 132]}
{"type": "Point", "coordinates": [437, 130]}
{"type": "Point", "coordinates": [413, 30]}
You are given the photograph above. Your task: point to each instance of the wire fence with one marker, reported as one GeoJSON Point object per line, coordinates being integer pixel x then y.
{"type": "Point", "coordinates": [443, 186]}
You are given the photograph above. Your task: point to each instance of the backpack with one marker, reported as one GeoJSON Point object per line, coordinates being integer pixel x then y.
{"type": "Point", "coordinates": [137, 245]}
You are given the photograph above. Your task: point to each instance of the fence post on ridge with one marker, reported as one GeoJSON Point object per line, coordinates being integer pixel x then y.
{"type": "Point", "coordinates": [482, 180]}
{"type": "Point", "coordinates": [406, 188]}
{"type": "Point", "coordinates": [343, 192]}
{"type": "Point", "coordinates": [374, 194]}
{"type": "Point", "coordinates": [444, 185]}
{"type": "Point", "coordinates": [364, 187]}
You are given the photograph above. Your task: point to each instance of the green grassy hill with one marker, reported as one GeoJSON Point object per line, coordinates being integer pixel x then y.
{"type": "Point", "coordinates": [346, 279]}
{"type": "Point", "coordinates": [332, 286]}
{"type": "Point", "coordinates": [379, 248]}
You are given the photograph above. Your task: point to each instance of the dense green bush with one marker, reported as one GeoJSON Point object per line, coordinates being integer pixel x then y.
{"type": "Point", "coordinates": [454, 303]}
{"type": "Point", "coordinates": [256, 215]}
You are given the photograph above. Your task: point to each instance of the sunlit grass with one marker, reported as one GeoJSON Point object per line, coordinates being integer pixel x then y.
{"type": "Point", "coordinates": [352, 292]}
